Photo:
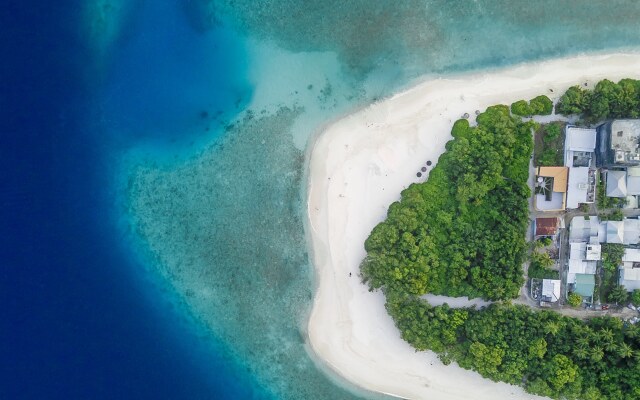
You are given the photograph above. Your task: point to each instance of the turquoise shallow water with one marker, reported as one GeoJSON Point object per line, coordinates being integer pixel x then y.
{"type": "Point", "coordinates": [211, 173]}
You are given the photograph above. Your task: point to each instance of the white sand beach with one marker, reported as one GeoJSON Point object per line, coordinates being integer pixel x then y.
{"type": "Point", "coordinates": [357, 168]}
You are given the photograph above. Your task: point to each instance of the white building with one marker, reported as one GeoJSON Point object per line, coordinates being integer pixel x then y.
{"type": "Point", "coordinates": [578, 261]}
{"type": "Point", "coordinates": [550, 290]}
{"type": "Point", "coordinates": [630, 278]}
{"type": "Point", "coordinates": [579, 146]}
{"type": "Point", "coordinates": [583, 229]}
{"type": "Point", "coordinates": [616, 184]}
{"type": "Point", "coordinates": [629, 274]}
{"type": "Point", "coordinates": [633, 181]}
{"type": "Point", "coordinates": [581, 186]}
{"type": "Point", "coordinates": [630, 257]}
{"type": "Point", "coordinates": [625, 232]}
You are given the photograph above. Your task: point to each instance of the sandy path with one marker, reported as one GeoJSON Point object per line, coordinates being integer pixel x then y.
{"type": "Point", "coordinates": [357, 167]}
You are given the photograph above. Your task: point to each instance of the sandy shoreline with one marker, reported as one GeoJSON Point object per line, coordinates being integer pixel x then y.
{"type": "Point", "coordinates": [357, 167]}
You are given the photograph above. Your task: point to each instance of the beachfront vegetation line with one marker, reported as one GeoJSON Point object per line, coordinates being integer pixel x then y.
{"type": "Point", "coordinates": [540, 105]}
{"type": "Point", "coordinates": [461, 233]}
{"type": "Point", "coordinates": [607, 100]}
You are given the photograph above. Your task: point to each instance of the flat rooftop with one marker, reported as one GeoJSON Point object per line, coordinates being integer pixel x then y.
{"type": "Point", "coordinates": [625, 139]}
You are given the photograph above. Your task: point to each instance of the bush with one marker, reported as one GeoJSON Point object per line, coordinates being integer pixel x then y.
{"type": "Point", "coordinates": [635, 298]}
{"type": "Point", "coordinates": [606, 100]}
{"type": "Point", "coordinates": [548, 158]}
{"type": "Point", "coordinates": [545, 241]}
{"type": "Point", "coordinates": [521, 108]}
{"type": "Point", "coordinates": [552, 131]}
{"type": "Point", "coordinates": [573, 101]}
{"type": "Point", "coordinates": [460, 129]}
{"type": "Point", "coordinates": [539, 267]}
{"type": "Point", "coordinates": [619, 295]}
{"type": "Point", "coordinates": [574, 299]}
{"type": "Point", "coordinates": [541, 105]}
{"type": "Point", "coordinates": [612, 256]}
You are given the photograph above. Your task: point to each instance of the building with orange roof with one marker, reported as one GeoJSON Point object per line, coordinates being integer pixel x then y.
{"type": "Point", "coordinates": [551, 188]}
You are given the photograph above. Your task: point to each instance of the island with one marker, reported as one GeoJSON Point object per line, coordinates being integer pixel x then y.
{"type": "Point", "coordinates": [459, 230]}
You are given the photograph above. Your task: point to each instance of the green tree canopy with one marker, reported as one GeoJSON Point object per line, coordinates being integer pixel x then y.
{"type": "Point", "coordinates": [574, 299]}
{"type": "Point", "coordinates": [462, 231]}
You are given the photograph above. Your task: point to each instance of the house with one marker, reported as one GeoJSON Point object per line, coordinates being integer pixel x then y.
{"type": "Point", "coordinates": [581, 186]}
{"type": "Point", "coordinates": [584, 229]}
{"type": "Point", "coordinates": [617, 143]}
{"type": "Point", "coordinates": [616, 184]}
{"type": "Point", "coordinates": [551, 188]}
{"type": "Point", "coordinates": [625, 232]}
{"type": "Point", "coordinates": [630, 278]}
{"type": "Point", "coordinates": [631, 258]}
{"type": "Point", "coordinates": [633, 181]}
{"type": "Point", "coordinates": [579, 146]}
{"type": "Point", "coordinates": [631, 231]}
{"type": "Point", "coordinates": [581, 260]}
{"type": "Point", "coordinates": [550, 290]}
{"type": "Point", "coordinates": [584, 285]}
{"type": "Point", "coordinates": [614, 231]}
{"type": "Point", "coordinates": [630, 270]}
{"type": "Point", "coordinates": [546, 226]}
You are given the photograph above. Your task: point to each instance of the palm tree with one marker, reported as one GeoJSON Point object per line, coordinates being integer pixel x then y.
{"type": "Point", "coordinates": [596, 354]}
{"type": "Point", "coordinates": [606, 335]}
{"type": "Point", "coordinates": [632, 332]}
{"type": "Point", "coordinates": [625, 350]}
{"type": "Point", "coordinates": [581, 352]}
{"type": "Point", "coordinates": [552, 328]}
{"type": "Point", "coordinates": [611, 346]}
{"type": "Point", "coordinates": [583, 341]}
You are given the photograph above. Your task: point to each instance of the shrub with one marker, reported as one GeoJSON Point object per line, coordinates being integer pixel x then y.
{"type": "Point", "coordinates": [574, 299]}
{"type": "Point", "coordinates": [541, 105]}
{"type": "Point", "coordinates": [619, 295]}
{"type": "Point", "coordinates": [460, 128]}
{"type": "Point", "coordinates": [573, 101]}
{"type": "Point", "coordinates": [521, 108]}
{"type": "Point", "coordinates": [552, 131]}
{"type": "Point", "coordinates": [635, 298]}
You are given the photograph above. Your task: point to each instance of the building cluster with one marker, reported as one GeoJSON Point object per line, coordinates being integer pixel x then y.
{"type": "Point", "coordinates": [619, 157]}
{"type": "Point", "coordinates": [586, 236]}
{"type": "Point", "coordinates": [613, 150]}
{"type": "Point", "coordinates": [574, 183]}
{"type": "Point", "coordinates": [613, 147]}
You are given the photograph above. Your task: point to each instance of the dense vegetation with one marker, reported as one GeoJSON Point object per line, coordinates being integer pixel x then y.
{"type": "Point", "coordinates": [549, 145]}
{"type": "Point", "coordinates": [540, 266]}
{"type": "Point", "coordinates": [462, 231]}
{"type": "Point", "coordinates": [541, 105]}
{"type": "Point", "coordinates": [610, 291]}
{"type": "Point", "coordinates": [607, 100]}
{"type": "Point", "coordinates": [549, 354]}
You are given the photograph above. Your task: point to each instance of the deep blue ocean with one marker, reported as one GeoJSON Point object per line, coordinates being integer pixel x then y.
{"type": "Point", "coordinates": [80, 320]}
